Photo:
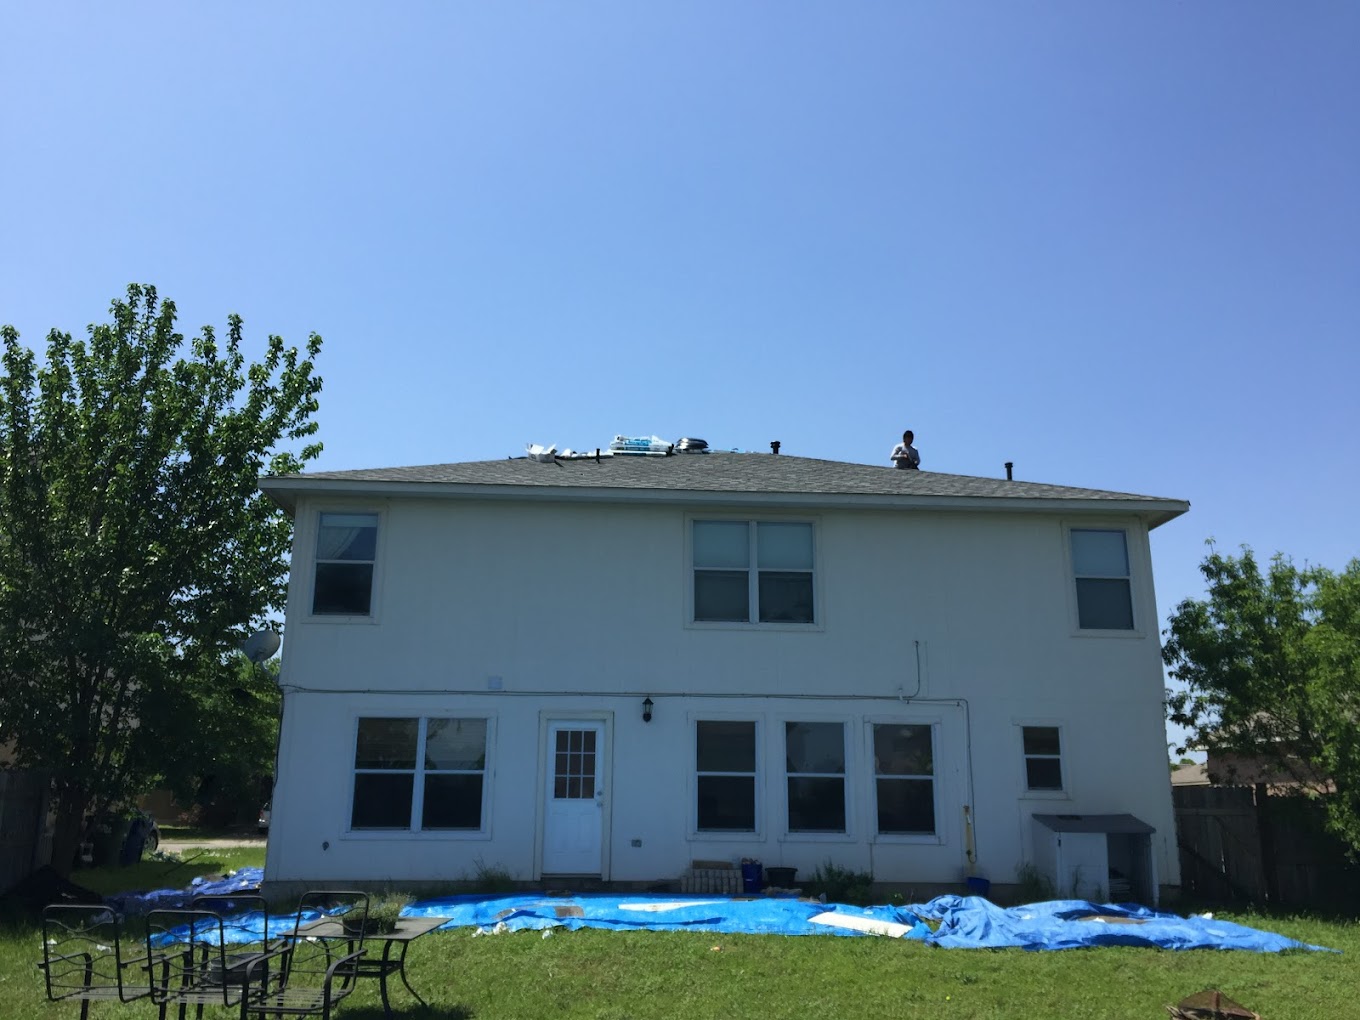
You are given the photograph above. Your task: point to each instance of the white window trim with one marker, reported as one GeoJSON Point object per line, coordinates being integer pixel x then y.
{"type": "Point", "coordinates": [818, 606]}
{"type": "Point", "coordinates": [418, 791]}
{"type": "Point", "coordinates": [787, 835]}
{"type": "Point", "coordinates": [309, 536]}
{"type": "Point", "coordinates": [1135, 579]}
{"type": "Point", "coordinates": [1025, 792]}
{"type": "Point", "coordinates": [935, 838]}
{"type": "Point", "coordinates": [698, 835]}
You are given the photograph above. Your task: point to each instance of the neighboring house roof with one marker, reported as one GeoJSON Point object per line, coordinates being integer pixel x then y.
{"type": "Point", "coordinates": [1190, 775]}
{"type": "Point", "coordinates": [712, 478]}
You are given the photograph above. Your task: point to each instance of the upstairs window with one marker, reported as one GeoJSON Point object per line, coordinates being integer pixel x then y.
{"type": "Point", "coordinates": [419, 774]}
{"type": "Point", "coordinates": [725, 767]}
{"type": "Point", "coordinates": [346, 547]}
{"type": "Point", "coordinates": [752, 572]}
{"type": "Point", "coordinates": [1043, 757]}
{"type": "Point", "coordinates": [1100, 561]}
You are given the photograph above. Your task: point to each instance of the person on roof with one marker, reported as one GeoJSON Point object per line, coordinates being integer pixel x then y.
{"type": "Point", "coordinates": [904, 455]}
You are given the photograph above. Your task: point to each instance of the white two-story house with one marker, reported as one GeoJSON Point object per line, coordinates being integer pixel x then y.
{"type": "Point", "coordinates": [612, 669]}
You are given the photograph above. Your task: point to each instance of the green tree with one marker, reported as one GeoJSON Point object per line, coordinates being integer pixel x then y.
{"type": "Point", "coordinates": [136, 550]}
{"type": "Point", "coordinates": [1270, 668]}
{"type": "Point", "coordinates": [222, 739]}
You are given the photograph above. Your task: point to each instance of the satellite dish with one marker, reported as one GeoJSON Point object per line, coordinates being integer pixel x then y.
{"type": "Point", "coordinates": [261, 645]}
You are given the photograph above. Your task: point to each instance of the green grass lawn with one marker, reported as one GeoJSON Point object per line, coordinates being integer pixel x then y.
{"type": "Point", "coordinates": [639, 975]}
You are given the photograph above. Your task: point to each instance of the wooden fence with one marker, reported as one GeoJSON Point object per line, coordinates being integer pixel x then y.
{"type": "Point", "coordinates": [1241, 844]}
{"type": "Point", "coordinates": [23, 813]}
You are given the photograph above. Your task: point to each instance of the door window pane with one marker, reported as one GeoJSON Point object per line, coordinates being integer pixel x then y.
{"type": "Point", "coordinates": [574, 765]}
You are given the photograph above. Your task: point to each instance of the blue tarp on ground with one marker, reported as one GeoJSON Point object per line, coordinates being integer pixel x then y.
{"type": "Point", "coordinates": [971, 922]}
{"type": "Point", "coordinates": [244, 880]}
{"type": "Point", "coordinates": [965, 922]}
{"type": "Point", "coordinates": [759, 916]}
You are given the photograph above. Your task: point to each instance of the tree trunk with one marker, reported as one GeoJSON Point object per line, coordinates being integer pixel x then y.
{"type": "Point", "coordinates": [70, 826]}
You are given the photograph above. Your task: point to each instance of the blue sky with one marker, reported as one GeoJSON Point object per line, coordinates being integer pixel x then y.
{"type": "Point", "coordinates": [1117, 243]}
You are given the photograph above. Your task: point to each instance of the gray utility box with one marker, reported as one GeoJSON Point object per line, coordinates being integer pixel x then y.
{"type": "Point", "coordinates": [1103, 858]}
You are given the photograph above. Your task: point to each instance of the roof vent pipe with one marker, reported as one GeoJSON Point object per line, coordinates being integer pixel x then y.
{"type": "Point", "coordinates": [1009, 464]}
{"type": "Point", "coordinates": [774, 448]}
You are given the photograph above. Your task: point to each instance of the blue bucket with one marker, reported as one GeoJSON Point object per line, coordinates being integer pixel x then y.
{"type": "Point", "coordinates": [978, 886]}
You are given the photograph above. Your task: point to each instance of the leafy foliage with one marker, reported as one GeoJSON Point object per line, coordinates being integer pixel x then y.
{"type": "Point", "coordinates": [1270, 664]}
{"type": "Point", "coordinates": [135, 548]}
{"type": "Point", "coordinates": [842, 885]}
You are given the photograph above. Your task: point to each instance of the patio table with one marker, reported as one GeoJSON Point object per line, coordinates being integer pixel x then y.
{"type": "Point", "coordinates": [394, 946]}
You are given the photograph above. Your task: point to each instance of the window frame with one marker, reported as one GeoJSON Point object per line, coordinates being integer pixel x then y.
{"type": "Point", "coordinates": [313, 535]}
{"type": "Point", "coordinates": [752, 521]}
{"type": "Point", "coordinates": [418, 774]}
{"type": "Point", "coordinates": [758, 787]}
{"type": "Point", "coordinates": [933, 724]}
{"type": "Point", "coordinates": [847, 776]}
{"type": "Point", "coordinates": [1129, 531]}
{"type": "Point", "coordinates": [1026, 793]}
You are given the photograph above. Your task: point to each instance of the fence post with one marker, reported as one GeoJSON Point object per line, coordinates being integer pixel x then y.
{"type": "Point", "coordinates": [1269, 868]}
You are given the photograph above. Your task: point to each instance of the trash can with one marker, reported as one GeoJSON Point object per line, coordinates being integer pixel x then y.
{"type": "Point", "coordinates": [135, 842]}
{"type": "Point", "coordinates": [108, 837]}
{"type": "Point", "coordinates": [751, 877]}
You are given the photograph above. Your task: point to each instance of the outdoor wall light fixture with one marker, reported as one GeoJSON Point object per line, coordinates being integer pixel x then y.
{"type": "Point", "coordinates": [647, 710]}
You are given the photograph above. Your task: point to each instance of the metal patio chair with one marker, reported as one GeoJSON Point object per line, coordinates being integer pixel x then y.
{"type": "Point", "coordinates": [317, 963]}
{"type": "Point", "coordinates": [193, 963]}
{"type": "Point", "coordinates": [87, 957]}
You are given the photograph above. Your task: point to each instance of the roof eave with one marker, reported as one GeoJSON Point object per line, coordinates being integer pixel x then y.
{"type": "Point", "coordinates": [286, 492]}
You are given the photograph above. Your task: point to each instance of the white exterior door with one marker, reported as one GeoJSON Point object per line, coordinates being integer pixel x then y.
{"type": "Point", "coordinates": [573, 816]}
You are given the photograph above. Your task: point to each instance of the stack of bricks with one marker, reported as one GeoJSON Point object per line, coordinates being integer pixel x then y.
{"type": "Point", "coordinates": [711, 877]}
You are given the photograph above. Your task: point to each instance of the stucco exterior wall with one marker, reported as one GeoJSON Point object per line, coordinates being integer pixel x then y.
{"type": "Point", "coordinates": [524, 612]}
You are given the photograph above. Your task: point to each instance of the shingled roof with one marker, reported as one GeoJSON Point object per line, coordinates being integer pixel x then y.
{"type": "Point", "coordinates": [705, 475]}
